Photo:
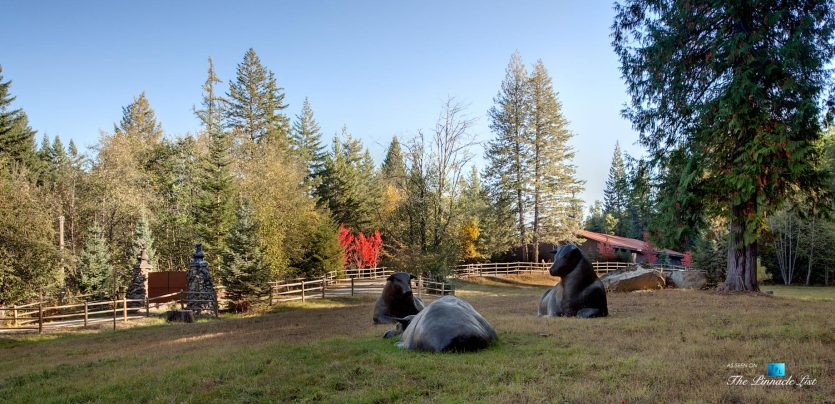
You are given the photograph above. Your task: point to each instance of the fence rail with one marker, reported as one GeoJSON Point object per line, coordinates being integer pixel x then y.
{"type": "Point", "coordinates": [508, 268]}
{"type": "Point", "coordinates": [89, 312]}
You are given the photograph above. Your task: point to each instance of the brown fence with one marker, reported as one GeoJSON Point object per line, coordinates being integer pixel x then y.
{"type": "Point", "coordinates": [37, 316]}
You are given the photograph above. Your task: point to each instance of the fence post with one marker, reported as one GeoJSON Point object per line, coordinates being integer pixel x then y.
{"type": "Point", "coordinates": [182, 301]}
{"type": "Point", "coordinates": [271, 295]}
{"type": "Point", "coordinates": [14, 315]}
{"type": "Point", "coordinates": [147, 307]}
{"type": "Point", "coordinates": [419, 283]}
{"type": "Point", "coordinates": [323, 286]}
{"type": "Point", "coordinates": [86, 311]}
{"type": "Point", "coordinates": [125, 307]}
{"type": "Point", "coordinates": [302, 290]}
{"type": "Point", "coordinates": [352, 286]}
{"type": "Point", "coordinates": [40, 318]}
{"type": "Point", "coordinates": [114, 312]}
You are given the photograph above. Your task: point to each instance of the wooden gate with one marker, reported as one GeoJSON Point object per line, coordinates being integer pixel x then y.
{"type": "Point", "coordinates": [163, 283]}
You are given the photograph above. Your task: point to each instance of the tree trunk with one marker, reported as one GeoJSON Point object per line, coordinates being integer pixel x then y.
{"type": "Point", "coordinates": [742, 257]}
{"type": "Point", "coordinates": [811, 251]}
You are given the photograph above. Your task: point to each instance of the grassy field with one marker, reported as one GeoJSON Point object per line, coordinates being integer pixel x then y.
{"type": "Point", "coordinates": [802, 292]}
{"type": "Point", "coordinates": [663, 346]}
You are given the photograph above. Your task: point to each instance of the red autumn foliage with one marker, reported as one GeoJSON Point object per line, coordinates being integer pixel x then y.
{"type": "Point", "coordinates": [361, 251]}
{"type": "Point", "coordinates": [687, 260]}
{"type": "Point", "coordinates": [346, 240]}
{"type": "Point", "coordinates": [650, 252]}
{"type": "Point", "coordinates": [606, 252]}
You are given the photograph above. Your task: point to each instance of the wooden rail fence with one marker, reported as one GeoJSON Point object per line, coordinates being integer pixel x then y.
{"type": "Point", "coordinates": [37, 316]}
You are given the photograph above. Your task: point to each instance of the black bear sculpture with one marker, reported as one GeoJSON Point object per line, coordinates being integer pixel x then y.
{"type": "Point", "coordinates": [397, 299]}
{"type": "Point", "coordinates": [579, 293]}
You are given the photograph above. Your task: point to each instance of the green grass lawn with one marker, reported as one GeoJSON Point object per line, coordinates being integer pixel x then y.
{"type": "Point", "coordinates": [825, 293]}
{"type": "Point", "coordinates": [663, 346]}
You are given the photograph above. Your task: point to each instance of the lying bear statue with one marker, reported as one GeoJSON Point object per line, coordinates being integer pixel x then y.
{"type": "Point", "coordinates": [579, 292]}
{"type": "Point", "coordinates": [397, 300]}
{"type": "Point", "coordinates": [447, 324]}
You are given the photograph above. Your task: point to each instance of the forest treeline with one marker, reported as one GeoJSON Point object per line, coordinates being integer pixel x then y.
{"type": "Point", "coordinates": [266, 193]}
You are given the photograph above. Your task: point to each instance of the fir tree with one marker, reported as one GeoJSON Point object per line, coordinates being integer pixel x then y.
{"type": "Point", "coordinates": [214, 204]}
{"type": "Point", "coordinates": [17, 139]}
{"type": "Point", "coordinates": [394, 166]}
{"type": "Point", "coordinates": [139, 122]}
{"type": "Point", "coordinates": [245, 272]}
{"type": "Point", "coordinates": [616, 193]}
{"type": "Point", "coordinates": [214, 105]}
{"type": "Point", "coordinates": [322, 251]}
{"type": "Point", "coordinates": [726, 97]}
{"type": "Point", "coordinates": [348, 184]}
{"type": "Point", "coordinates": [256, 102]}
{"type": "Point", "coordinates": [94, 274]}
{"type": "Point", "coordinates": [555, 185]}
{"type": "Point", "coordinates": [306, 139]}
{"type": "Point", "coordinates": [507, 155]}
{"type": "Point", "coordinates": [143, 238]}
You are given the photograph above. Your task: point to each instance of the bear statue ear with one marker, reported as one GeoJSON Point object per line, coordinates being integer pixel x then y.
{"type": "Point", "coordinates": [412, 276]}
{"type": "Point", "coordinates": [390, 278]}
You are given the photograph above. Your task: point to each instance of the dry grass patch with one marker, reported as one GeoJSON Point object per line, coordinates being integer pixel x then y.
{"type": "Point", "coordinates": [667, 346]}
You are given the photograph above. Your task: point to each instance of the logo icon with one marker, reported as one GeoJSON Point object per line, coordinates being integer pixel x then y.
{"type": "Point", "coordinates": [776, 369]}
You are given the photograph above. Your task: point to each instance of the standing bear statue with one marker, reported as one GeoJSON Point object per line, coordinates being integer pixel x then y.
{"type": "Point", "coordinates": [579, 293]}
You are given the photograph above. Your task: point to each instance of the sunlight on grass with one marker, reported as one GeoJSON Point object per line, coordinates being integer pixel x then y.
{"type": "Point", "coordinates": [820, 293]}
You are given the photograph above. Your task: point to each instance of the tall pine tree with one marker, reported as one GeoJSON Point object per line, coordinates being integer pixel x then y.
{"type": "Point", "coordinates": [306, 139]}
{"type": "Point", "coordinates": [245, 272]}
{"type": "Point", "coordinates": [255, 103]}
{"type": "Point", "coordinates": [17, 139]}
{"type": "Point", "coordinates": [616, 193]}
{"type": "Point", "coordinates": [507, 155]}
{"type": "Point", "coordinates": [214, 105]}
{"type": "Point", "coordinates": [214, 203]}
{"type": "Point", "coordinates": [143, 238]}
{"type": "Point", "coordinates": [555, 185]}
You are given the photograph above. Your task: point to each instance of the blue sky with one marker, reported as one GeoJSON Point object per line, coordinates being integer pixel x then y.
{"type": "Point", "coordinates": [381, 68]}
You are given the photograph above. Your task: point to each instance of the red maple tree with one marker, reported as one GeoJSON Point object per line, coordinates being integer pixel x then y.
{"type": "Point", "coordinates": [361, 251]}
{"type": "Point", "coordinates": [606, 252]}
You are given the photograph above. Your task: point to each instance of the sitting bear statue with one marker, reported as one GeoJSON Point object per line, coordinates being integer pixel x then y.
{"type": "Point", "coordinates": [579, 292]}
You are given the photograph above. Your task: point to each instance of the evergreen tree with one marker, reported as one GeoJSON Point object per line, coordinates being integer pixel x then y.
{"type": "Point", "coordinates": [214, 209]}
{"type": "Point", "coordinates": [143, 238]}
{"type": "Point", "coordinates": [139, 123]}
{"type": "Point", "coordinates": [394, 166]}
{"type": "Point", "coordinates": [726, 98]}
{"type": "Point", "coordinates": [17, 139]}
{"type": "Point", "coordinates": [507, 155]}
{"type": "Point", "coordinates": [245, 272]}
{"type": "Point", "coordinates": [596, 220]}
{"type": "Point", "coordinates": [255, 103]}
{"type": "Point", "coordinates": [94, 274]}
{"type": "Point", "coordinates": [555, 185]}
{"type": "Point", "coordinates": [394, 178]}
{"type": "Point", "coordinates": [616, 193]}
{"type": "Point", "coordinates": [348, 184]}
{"type": "Point", "coordinates": [306, 139]}
{"type": "Point", "coordinates": [322, 251]}
{"type": "Point", "coordinates": [214, 105]}
{"type": "Point", "coordinates": [640, 199]}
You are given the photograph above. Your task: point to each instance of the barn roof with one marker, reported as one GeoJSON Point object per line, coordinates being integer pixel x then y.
{"type": "Point", "coordinates": [624, 242]}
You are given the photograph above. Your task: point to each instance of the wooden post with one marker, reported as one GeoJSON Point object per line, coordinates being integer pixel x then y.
{"type": "Point", "coordinates": [114, 312]}
{"type": "Point", "coordinates": [86, 311]}
{"type": "Point", "coordinates": [182, 301]}
{"type": "Point", "coordinates": [217, 309]}
{"type": "Point", "coordinates": [302, 290]}
{"type": "Point", "coordinates": [271, 295]}
{"type": "Point", "coordinates": [125, 307]}
{"type": "Point", "coordinates": [147, 307]}
{"type": "Point", "coordinates": [323, 286]}
{"type": "Point", "coordinates": [352, 286]}
{"type": "Point", "coordinates": [14, 315]}
{"type": "Point", "coordinates": [40, 318]}
{"type": "Point", "coordinates": [419, 282]}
